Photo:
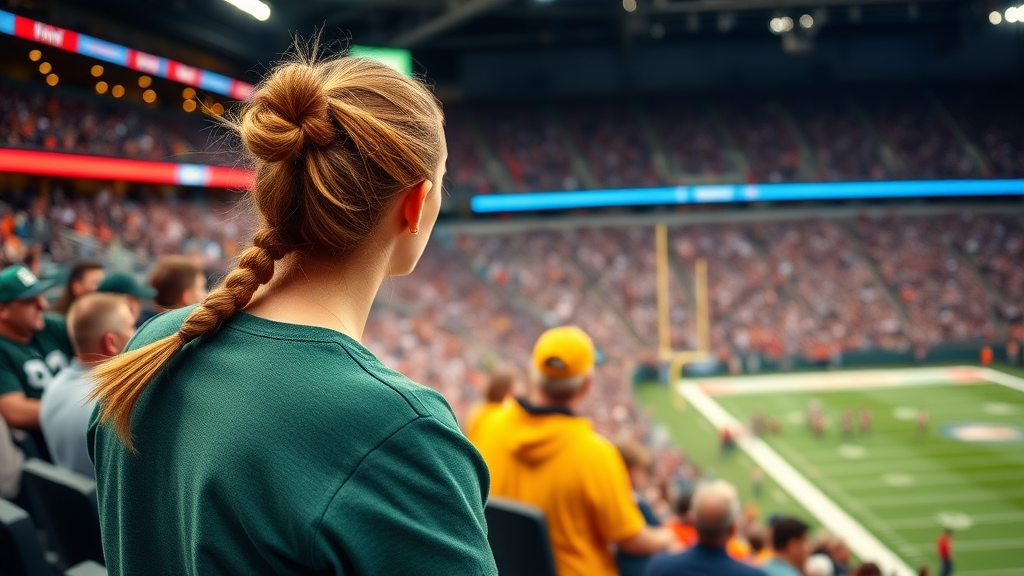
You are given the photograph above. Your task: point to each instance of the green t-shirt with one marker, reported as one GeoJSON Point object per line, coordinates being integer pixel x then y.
{"type": "Point", "coordinates": [29, 367]}
{"type": "Point", "coordinates": [271, 448]}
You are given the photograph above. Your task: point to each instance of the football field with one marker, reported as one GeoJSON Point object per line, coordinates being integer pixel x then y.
{"type": "Point", "coordinates": [897, 484]}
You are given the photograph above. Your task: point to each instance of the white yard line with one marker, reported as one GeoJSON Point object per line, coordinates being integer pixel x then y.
{"type": "Point", "coordinates": [870, 465]}
{"type": "Point", "coordinates": [834, 452]}
{"type": "Point", "coordinates": [977, 519]}
{"type": "Point", "coordinates": [861, 541]}
{"type": "Point", "coordinates": [931, 479]}
{"type": "Point", "coordinates": [991, 572]}
{"type": "Point", "coordinates": [848, 380]}
{"type": "Point", "coordinates": [981, 545]}
{"type": "Point", "coordinates": [1008, 380]}
{"type": "Point", "coordinates": [949, 499]}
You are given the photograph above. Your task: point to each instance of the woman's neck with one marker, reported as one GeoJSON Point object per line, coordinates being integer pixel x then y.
{"type": "Point", "coordinates": [317, 292]}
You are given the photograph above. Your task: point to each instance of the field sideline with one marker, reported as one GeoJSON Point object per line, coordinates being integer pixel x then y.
{"type": "Point", "coordinates": [889, 491]}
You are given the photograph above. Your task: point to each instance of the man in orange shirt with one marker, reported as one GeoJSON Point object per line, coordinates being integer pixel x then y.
{"type": "Point", "coordinates": [541, 453]}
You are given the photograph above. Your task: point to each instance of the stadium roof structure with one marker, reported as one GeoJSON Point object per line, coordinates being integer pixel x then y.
{"type": "Point", "coordinates": [448, 26]}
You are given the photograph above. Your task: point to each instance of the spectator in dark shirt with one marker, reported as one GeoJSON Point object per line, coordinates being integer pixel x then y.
{"type": "Point", "coordinates": [716, 510]}
{"type": "Point", "coordinates": [790, 547]}
{"type": "Point", "coordinates": [638, 462]}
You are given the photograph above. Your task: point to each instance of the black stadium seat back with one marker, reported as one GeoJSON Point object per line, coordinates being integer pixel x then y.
{"type": "Point", "coordinates": [518, 534]}
{"type": "Point", "coordinates": [20, 552]}
{"type": "Point", "coordinates": [66, 502]}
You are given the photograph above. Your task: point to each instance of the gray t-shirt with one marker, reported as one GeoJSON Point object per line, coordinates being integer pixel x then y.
{"type": "Point", "coordinates": [64, 417]}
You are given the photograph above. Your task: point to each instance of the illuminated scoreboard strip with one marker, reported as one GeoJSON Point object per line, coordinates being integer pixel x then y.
{"type": "Point", "coordinates": [729, 193]}
{"type": "Point", "coordinates": [116, 54]}
{"type": "Point", "coordinates": [121, 169]}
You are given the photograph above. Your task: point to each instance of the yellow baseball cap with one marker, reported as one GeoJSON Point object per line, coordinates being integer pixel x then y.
{"type": "Point", "coordinates": [564, 352]}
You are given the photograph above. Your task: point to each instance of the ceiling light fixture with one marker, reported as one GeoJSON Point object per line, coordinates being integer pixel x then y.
{"type": "Point", "coordinates": [254, 8]}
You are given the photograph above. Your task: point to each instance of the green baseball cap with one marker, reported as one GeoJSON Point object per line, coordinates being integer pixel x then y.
{"type": "Point", "coordinates": [19, 283]}
{"type": "Point", "coordinates": [119, 283]}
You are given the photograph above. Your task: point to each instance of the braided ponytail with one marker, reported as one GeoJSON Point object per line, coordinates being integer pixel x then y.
{"type": "Point", "coordinates": [334, 142]}
{"type": "Point", "coordinates": [121, 380]}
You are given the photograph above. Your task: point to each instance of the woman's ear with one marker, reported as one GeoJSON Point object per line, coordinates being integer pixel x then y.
{"type": "Point", "coordinates": [412, 205]}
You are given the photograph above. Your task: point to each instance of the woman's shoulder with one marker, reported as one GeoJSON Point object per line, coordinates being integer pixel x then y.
{"type": "Point", "coordinates": [338, 373]}
{"type": "Point", "coordinates": [422, 401]}
{"type": "Point", "coordinates": [159, 327]}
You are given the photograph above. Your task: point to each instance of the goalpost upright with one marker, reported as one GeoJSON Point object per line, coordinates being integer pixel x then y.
{"type": "Point", "coordinates": [677, 360]}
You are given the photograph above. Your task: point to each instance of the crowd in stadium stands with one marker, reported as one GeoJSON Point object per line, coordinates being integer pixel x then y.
{"type": "Point", "coordinates": [466, 174]}
{"type": "Point", "coordinates": [128, 233]}
{"type": "Point", "coordinates": [812, 288]}
{"type": "Point", "coordinates": [923, 139]}
{"type": "Point", "coordinates": [942, 291]}
{"type": "Point", "coordinates": [841, 305]}
{"type": "Point", "coordinates": [993, 122]}
{"type": "Point", "coordinates": [791, 138]}
{"type": "Point", "coordinates": [764, 137]}
{"type": "Point", "coordinates": [62, 122]}
{"type": "Point", "coordinates": [842, 146]}
{"type": "Point", "coordinates": [807, 288]}
{"type": "Point", "coordinates": [694, 145]}
{"type": "Point", "coordinates": [531, 146]}
{"type": "Point", "coordinates": [612, 142]}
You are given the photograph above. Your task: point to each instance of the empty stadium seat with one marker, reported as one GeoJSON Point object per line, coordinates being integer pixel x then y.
{"type": "Point", "coordinates": [20, 552]}
{"type": "Point", "coordinates": [66, 502]}
{"type": "Point", "coordinates": [518, 535]}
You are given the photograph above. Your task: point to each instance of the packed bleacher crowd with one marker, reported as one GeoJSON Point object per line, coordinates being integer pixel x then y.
{"type": "Point", "coordinates": [808, 288]}
{"type": "Point", "coordinates": [612, 144]}
{"type": "Point", "coordinates": [756, 138]}
{"type": "Point", "coordinates": [76, 123]}
{"type": "Point", "coordinates": [129, 233]}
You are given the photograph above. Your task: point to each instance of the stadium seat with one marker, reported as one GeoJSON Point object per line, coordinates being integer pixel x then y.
{"type": "Point", "coordinates": [20, 552]}
{"type": "Point", "coordinates": [32, 445]}
{"type": "Point", "coordinates": [66, 502]}
{"type": "Point", "coordinates": [87, 568]}
{"type": "Point", "coordinates": [518, 535]}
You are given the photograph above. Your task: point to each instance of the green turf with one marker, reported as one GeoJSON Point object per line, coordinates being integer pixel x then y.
{"type": "Point", "coordinates": [695, 435]}
{"type": "Point", "coordinates": [942, 475]}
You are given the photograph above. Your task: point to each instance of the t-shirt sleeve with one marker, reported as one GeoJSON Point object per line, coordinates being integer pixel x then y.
{"type": "Point", "coordinates": [414, 505]}
{"type": "Point", "coordinates": [616, 513]}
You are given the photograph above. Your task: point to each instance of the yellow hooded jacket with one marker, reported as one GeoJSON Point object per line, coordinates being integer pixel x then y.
{"type": "Point", "coordinates": [554, 460]}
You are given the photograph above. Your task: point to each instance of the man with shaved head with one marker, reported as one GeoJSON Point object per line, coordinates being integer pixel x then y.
{"type": "Point", "coordinates": [100, 326]}
{"type": "Point", "coordinates": [716, 510]}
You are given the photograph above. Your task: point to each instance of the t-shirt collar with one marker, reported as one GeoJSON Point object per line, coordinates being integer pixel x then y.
{"type": "Point", "coordinates": [544, 410]}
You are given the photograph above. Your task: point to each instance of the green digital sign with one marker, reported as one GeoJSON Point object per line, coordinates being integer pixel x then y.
{"type": "Point", "coordinates": [397, 58]}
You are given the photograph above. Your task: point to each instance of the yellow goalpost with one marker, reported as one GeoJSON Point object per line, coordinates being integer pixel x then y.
{"type": "Point", "coordinates": [677, 360]}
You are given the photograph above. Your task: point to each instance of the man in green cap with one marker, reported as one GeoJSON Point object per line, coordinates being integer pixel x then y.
{"type": "Point", "coordinates": [33, 347]}
{"type": "Point", "coordinates": [126, 285]}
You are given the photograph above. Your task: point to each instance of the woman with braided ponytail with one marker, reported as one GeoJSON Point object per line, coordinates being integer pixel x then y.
{"type": "Point", "coordinates": [253, 433]}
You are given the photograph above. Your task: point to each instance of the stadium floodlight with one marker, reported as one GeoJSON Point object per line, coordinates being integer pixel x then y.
{"type": "Point", "coordinates": [806, 21]}
{"type": "Point", "coordinates": [995, 17]}
{"type": "Point", "coordinates": [781, 25]}
{"type": "Point", "coordinates": [1011, 14]}
{"type": "Point", "coordinates": [254, 8]}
